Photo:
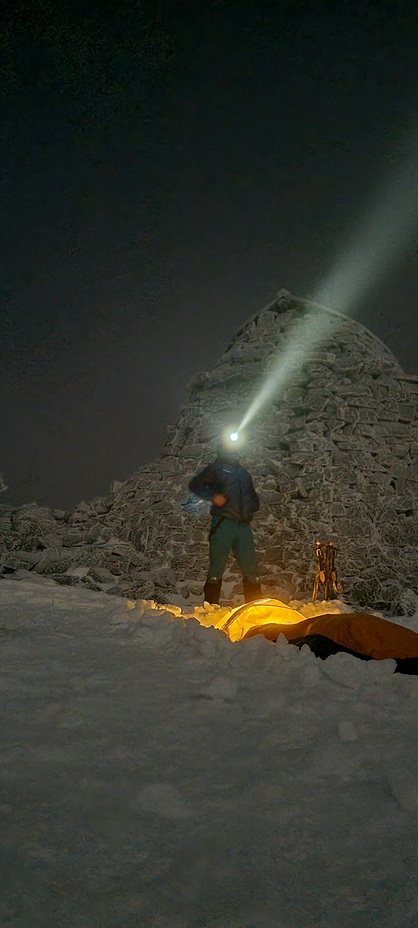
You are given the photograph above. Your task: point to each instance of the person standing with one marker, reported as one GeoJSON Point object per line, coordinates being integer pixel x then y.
{"type": "Point", "coordinates": [230, 489]}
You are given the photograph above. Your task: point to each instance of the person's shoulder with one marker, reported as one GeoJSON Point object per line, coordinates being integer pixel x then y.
{"type": "Point", "coordinates": [206, 468]}
{"type": "Point", "coordinates": [212, 467]}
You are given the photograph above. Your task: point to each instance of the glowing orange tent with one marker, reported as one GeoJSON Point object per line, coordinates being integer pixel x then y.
{"type": "Point", "coordinates": [361, 632]}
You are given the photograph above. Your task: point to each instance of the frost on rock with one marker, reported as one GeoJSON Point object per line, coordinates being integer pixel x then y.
{"type": "Point", "coordinates": [334, 457]}
{"type": "Point", "coordinates": [408, 603]}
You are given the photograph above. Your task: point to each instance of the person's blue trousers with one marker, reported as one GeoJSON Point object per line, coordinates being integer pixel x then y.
{"type": "Point", "coordinates": [228, 535]}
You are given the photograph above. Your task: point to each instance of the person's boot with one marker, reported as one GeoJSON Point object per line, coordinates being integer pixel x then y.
{"type": "Point", "coordinates": [212, 590]}
{"type": "Point", "coordinates": [252, 589]}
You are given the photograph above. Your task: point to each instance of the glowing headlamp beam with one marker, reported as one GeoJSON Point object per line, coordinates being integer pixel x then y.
{"type": "Point", "coordinates": [233, 438]}
{"type": "Point", "coordinates": [381, 240]}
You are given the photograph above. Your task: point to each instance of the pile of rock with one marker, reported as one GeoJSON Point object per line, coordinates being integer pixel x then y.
{"type": "Point", "coordinates": [334, 457]}
{"type": "Point", "coordinates": [73, 548]}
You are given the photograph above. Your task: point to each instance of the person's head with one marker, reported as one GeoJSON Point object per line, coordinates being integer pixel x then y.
{"type": "Point", "coordinates": [230, 455]}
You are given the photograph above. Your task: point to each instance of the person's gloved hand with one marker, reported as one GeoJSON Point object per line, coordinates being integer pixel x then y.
{"type": "Point", "coordinates": [219, 499]}
{"type": "Point", "coordinates": [191, 504]}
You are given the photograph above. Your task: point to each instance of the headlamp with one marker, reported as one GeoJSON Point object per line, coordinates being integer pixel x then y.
{"type": "Point", "coordinates": [233, 438]}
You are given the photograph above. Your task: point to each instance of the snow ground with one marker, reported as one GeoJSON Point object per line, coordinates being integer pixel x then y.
{"type": "Point", "coordinates": [156, 775]}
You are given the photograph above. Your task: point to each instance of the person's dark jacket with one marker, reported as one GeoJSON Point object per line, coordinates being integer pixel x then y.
{"type": "Point", "coordinates": [234, 482]}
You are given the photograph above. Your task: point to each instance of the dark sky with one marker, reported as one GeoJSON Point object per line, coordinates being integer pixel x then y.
{"type": "Point", "coordinates": [166, 168]}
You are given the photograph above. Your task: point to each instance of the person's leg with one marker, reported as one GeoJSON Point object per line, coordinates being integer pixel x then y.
{"type": "Point", "coordinates": [244, 550]}
{"type": "Point", "coordinates": [245, 553]}
{"type": "Point", "coordinates": [221, 538]}
{"type": "Point", "coordinates": [212, 591]}
{"type": "Point", "coordinates": [251, 589]}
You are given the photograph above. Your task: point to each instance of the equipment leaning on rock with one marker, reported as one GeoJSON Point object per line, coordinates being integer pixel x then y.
{"type": "Point", "coordinates": [230, 489]}
{"type": "Point", "coordinates": [326, 574]}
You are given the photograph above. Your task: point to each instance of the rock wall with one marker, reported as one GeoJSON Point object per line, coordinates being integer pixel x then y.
{"type": "Point", "coordinates": [333, 457]}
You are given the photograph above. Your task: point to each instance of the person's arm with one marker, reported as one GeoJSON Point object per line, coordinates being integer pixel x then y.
{"type": "Point", "coordinates": [204, 484]}
{"type": "Point", "coordinates": [254, 497]}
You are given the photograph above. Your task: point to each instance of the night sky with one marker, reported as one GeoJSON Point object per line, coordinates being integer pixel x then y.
{"type": "Point", "coordinates": [166, 168]}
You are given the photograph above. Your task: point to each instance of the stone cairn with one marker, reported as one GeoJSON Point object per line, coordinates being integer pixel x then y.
{"type": "Point", "coordinates": [334, 456]}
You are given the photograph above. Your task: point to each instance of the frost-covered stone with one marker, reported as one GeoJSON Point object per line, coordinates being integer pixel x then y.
{"type": "Point", "coordinates": [407, 603]}
{"type": "Point", "coordinates": [334, 456]}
